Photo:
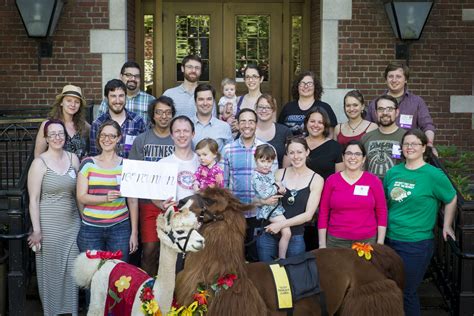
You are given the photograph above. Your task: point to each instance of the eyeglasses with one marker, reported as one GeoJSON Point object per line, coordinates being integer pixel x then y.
{"type": "Point", "coordinates": [130, 76]}
{"type": "Point", "coordinates": [165, 113]}
{"type": "Point", "coordinates": [252, 77]}
{"type": "Point", "coordinates": [264, 108]}
{"type": "Point", "coordinates": [56, 135]}
{"type": "Point", "coordinates": [190, 67]}
{"type": "Point", "coordinates": [291, 199]}
{"type": "Point", "coordinates": [109, 136]}
{"type": "Point", "coordinates": [308, 84]}
{"type": "Point", "coordinates": [412, 145]}
{"type": "Point", "coordinates": [350, 153]}
{"type": "Point", "coordinates": [390, 109]}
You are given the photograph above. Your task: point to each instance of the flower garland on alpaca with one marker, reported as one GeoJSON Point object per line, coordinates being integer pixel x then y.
{"type": "Point", "coordinates": [363, 249]}
{"type": "Point", "coordinates": [199, 306]}
{"type": "Point", "coordinates": [149, 304]}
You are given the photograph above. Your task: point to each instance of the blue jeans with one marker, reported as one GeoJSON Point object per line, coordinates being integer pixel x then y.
{"type": "Point", "coordinates": [267, 247]}
{"type": "Point", "coordinates": [416, 257]}
{"type": "Point", "coordinates": [113, 238]}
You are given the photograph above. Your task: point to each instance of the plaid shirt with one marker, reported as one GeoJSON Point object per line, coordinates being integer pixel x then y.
{"type": "Point", "coordinates": [238, 164]}
{"type": "Point", "coordinates": [137, 104]}
{"type": "Point", "coordinates": [131, 127]}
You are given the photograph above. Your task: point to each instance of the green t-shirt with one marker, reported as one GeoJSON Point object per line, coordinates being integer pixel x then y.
{"type": "Point", "coordinates": [414, 197]}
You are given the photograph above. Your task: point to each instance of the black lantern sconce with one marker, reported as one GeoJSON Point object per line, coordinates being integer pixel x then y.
{"type": "Point", "coordinates": [408, 19]}
{"type": "Point", "coordinates": [40, 18]}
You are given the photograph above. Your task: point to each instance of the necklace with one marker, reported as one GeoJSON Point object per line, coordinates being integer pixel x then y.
{"type": "Point", "coordinates": [354, 129]}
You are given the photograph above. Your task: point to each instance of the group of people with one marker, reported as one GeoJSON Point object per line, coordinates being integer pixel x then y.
{"type": "Point", "coordinates": [314, 182]}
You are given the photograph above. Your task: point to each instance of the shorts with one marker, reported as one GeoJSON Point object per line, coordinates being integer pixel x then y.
{"type": "Point", "coordinates": [148, 214]}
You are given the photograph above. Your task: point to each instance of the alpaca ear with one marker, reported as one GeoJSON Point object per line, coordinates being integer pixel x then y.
{"type": "Point", "coordinates": [187, 205]}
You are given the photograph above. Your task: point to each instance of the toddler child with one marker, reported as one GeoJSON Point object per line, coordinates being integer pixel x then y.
{"type": "Point", "coordinates": [208, 174]}
{"type": "Point", "coordinates": [264, 186]}
{"type": "Point", "coordinates": [228, 102]}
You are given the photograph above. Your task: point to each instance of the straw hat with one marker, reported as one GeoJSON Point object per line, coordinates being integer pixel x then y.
{"type": "Point", "coordinates": [73, 91]}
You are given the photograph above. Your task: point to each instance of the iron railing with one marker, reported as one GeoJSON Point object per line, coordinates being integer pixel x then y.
{"type": "Point", "coordinates": [453, 263]}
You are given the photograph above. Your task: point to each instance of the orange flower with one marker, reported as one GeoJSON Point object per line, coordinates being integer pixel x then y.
{"type": "Point", "coordinates": [201, 297]}
{"type": "Point", "coordinates": [363, 249]}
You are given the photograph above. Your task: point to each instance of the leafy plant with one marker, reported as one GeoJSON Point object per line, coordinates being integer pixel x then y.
{"type": "Point", "coordinates": [457, 164]}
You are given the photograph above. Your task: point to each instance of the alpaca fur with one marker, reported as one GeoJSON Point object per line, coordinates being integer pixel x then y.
{"type": "Point", "coordinates": [352, 285]}
{"type": "Point", "coordinates": [87, 274]}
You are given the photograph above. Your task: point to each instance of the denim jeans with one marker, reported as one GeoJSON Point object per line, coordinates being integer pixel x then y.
{"type": "Point", "coordinates": [113, 238]}
{"type": "Point", "coordinates": [416, 257]}
{"type": "Point", "coordinates": [267, 247]}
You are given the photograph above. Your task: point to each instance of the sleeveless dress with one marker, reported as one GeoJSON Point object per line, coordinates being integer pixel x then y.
{"type": "Point", "coordinates": [77, 144]}
{"type": "Point", "coordinates": [298, 206]}
{"type": "Point", "coordinates": [59, 219]}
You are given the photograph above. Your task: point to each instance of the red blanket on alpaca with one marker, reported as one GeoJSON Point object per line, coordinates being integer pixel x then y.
{"type": "Point", "coordinates": [127, 295]}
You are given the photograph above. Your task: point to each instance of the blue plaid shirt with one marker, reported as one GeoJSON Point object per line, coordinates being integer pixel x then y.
{"type": "Point", "coordinates": [137, 104]}
{"type": "Point", "coordinates": [238, 163]}
{"type": "Point", "coordinates": [131, 127]}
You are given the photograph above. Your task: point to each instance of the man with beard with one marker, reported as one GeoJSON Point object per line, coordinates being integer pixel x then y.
{"type": "Point", "coordinates": [137, 101]}
{"type": "Point", "coordinates": [383, 145]}
{"type": "Point", "coordinates": [183, 95]}
{"type": "Point", "coordinates": [131, 124]}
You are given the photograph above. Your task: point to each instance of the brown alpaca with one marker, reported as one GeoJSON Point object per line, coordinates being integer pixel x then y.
{"type": "Point", "coordinates": [352, 285]}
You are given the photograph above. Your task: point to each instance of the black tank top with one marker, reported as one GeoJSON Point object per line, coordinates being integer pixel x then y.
{"type": "Point", "coordinates": [299, 206]}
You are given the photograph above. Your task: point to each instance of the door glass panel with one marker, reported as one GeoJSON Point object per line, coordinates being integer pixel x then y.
{"type": "Point", "coordinates": [252, 44]}
{"type": "Point", "coordinates": [148, 53]}
{"type": "Point", "coordinates": [296, 44]}
{"type": "Point", "coordinates": [192, 37]}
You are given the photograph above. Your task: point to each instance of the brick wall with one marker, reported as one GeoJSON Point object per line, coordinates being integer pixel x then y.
{"type": "Point", "coordinates": [441, 63]}
{"type": "Point", "coordinates": [72, 62]}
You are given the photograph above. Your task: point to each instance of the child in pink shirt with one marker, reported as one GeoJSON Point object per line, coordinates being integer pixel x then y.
{"type": "Point", "coordinates": [208, 174]}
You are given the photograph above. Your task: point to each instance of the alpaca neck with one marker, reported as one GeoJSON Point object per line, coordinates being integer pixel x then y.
{"type": "Point", "coordinates": [166, 278]}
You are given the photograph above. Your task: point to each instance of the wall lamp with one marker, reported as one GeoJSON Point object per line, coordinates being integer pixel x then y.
{"type": "Point", "coordinates": [40, 18]}
{"type": "Point", "coordinates": [408, 19]}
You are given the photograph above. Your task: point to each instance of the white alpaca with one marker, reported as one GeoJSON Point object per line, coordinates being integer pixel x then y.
{"type": "Point", "coordinates": [177, 233]}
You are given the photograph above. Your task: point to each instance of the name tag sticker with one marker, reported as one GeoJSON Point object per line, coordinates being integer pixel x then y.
{"type": "Point", "coordinates": [129, 142]}
{"type": "Point", "coordinates": [396, 151]}
{"type": "Point", "coordinates": [406, 121]}
{"type": "Point", "coordinates": [361, 190]}
{"type": "Point", "coordinates": [72, 173]}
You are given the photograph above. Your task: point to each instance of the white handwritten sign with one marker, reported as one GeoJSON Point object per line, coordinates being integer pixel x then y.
{"type": "Point", "coordinates": [148, 180]}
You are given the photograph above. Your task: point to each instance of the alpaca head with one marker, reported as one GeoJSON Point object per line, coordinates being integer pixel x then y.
{"type": "Point", "coordinates": [178, 229]}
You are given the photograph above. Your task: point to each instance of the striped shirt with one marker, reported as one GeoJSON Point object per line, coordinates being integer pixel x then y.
{"type": "Point", "coordinates": [101, 181]}
{"type": "Point", "coordinates": [238, 163]}
{"type": "Point", "coordinates": [137, 104]}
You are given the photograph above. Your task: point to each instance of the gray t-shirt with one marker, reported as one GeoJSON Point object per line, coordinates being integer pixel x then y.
{"type": "Point", "coordinates": [383, 151]}
{"type": "Point", "coordinates": [150, 147]}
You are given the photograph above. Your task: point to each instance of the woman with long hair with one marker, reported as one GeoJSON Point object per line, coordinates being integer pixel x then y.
{"type": "Point", "coordinates": [356, 126]}
{"type": "Point", "coordinates": [415, 191]}
{"type": "Point", "coordinates": [55, 221]}
{"type": "Point", "coordinates": [300, 201]}
{"type": "Point", "coordinates": [69, 107]}
{"type": "Point", "coordinates": [108, 223]}
{"type": "Point", "coordinates": [267, 130]}
{"type": "Point", "coordinates": [306, 91]}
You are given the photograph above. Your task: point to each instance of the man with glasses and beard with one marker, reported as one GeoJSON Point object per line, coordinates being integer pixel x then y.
{"type": "Point", "coordinates": [136, 100]}
{"type": "Point", "coordinates": [383, 144]}
{"type": "Point", "coordinates": [183, 95]}
{"type": "Point", "coordinates": [130, 123]}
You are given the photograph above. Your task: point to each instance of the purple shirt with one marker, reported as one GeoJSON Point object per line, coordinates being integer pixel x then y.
{"type": "Point", "coordinates": [352, 211]}
{"type": "Point", "coordinates": [410, 105]}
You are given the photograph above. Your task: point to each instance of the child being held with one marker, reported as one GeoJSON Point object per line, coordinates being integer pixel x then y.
{"type": "Point", "coordinates": [264, 186]}
{"type": "Point", "coordinates": [228, 102]}
{"type": "Point", "coordinates": [208, 174]}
